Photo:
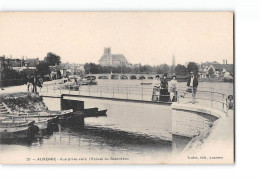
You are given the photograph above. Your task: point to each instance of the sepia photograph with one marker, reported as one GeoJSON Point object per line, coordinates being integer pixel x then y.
{"type": "Point", "coordinates": [117, 88]}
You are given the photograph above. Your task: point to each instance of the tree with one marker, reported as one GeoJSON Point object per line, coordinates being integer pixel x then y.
{"type": "Point", "coordinates": [163, 68]}
{"type": "Point", "coordinates": [92, 68]}
{"type": "Point", "coordinates": [52, 59]}
{"type": "Point", "coordinates": [181, 70]}
{"type": "Point", "coordinates": [192, 66]}
{"type": "Point", "coordinates": [211, 72]}
{"type": "Point", "coordinates": [145, 69]}
{"type": "Point", "coordinates": [43, 68]}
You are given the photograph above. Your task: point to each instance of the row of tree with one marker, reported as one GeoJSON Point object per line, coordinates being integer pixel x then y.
{"type": "Point", "coordinates": [52, 59]}
{"type": "Point", "coordinates": [145, 69]}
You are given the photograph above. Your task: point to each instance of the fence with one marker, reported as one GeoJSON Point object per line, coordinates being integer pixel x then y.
{"type": "Point", "coordinates": [205, 96]}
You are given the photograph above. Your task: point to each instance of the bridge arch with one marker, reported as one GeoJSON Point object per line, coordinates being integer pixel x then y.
{"type": "Point", "coordinates": [133, 77]}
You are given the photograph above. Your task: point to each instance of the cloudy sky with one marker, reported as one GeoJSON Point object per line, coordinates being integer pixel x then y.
{"type": "Point", "coordinates": [143, 37]}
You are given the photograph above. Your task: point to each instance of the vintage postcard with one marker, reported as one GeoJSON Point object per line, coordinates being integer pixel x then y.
{"type": "Point", "coordinates": [117, 88]}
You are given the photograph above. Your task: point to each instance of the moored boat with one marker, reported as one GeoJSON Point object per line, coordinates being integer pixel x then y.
{"type": "Point", "coordinates": [18, 129]}
{"type": "Point", "coordinates": [40, 114]}
{"type": "Point", "coordinates": [102, 112]}
{"type": "Point", "coordinates": [86, 112]}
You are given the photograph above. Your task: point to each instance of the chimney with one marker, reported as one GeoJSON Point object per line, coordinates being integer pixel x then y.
{"type": "Point", "coordinates": [226, 61]}
{"type": "Point", "coordinates": [223, 61]}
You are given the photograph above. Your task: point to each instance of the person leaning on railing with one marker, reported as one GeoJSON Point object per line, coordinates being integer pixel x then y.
{"type": "Point", "coordinates": [192, 86]}
{"type": "Point", "coordinates": [156, 88]}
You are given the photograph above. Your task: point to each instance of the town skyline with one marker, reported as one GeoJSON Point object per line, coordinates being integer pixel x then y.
{"type": "Point", "coordinates": [148, 38]}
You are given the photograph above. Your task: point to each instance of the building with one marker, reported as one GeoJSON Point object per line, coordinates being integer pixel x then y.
{"type": "Point", "coordinates": [32, 62]}
{"type": "Point", "coordinates": [173, 60]}
{"type": "Point", "coordinates": [109, 59]}
{"type": "Point", "coordinates": [221, 70]}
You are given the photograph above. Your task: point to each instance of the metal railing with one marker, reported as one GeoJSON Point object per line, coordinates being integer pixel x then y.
{"type": "Point", "coordinates": [207, 97]}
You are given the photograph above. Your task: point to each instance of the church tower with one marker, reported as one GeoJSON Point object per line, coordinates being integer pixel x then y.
{"type": "Point", "coordinates": [173, 61]}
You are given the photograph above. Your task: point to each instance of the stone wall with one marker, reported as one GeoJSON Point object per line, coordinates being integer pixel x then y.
{"type": "Point", "coordinates": [190, 120]}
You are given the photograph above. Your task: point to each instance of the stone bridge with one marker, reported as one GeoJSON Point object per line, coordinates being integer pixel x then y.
{"type": "Point", "coordinates": [116, 76]}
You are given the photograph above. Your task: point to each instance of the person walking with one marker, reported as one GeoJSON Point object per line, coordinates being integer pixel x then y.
{"type": "Point", "coordinates": [173, 89]}
{"type": "Point", "coordinates": [156, 88]}
{"type": "Point", "coordinates": [34, 83]}
{"type": "Point", "coordinates": [29, 82]}
{"type": "Point", "coordinates": [192, 85]}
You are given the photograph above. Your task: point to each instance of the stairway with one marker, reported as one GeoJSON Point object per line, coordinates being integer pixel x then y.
{"type": "Point", "coordinates": [4, 109]}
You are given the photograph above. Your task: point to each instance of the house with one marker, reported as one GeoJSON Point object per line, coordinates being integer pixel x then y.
{"type": "Point", "coordinates": [202, 73]}
{"type": "Point", "coordinates": [31, 62]}
{"type": "Point", "coordinates": [109, 59]}
{"type": "Point", "coordinates": [220, 70]}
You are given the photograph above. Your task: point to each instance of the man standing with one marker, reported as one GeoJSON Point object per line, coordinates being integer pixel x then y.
{"type": "Point", "coordinates": [34, 83]}
{"type": "Point", "coordinates": [192, 85]}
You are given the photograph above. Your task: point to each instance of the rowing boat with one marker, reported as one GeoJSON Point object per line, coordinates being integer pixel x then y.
{"type": "Point", "coordinates": [41, 114]}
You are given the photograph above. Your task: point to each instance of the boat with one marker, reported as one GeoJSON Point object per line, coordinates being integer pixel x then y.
{"type": "Point", "coordinates": [89, 80]}
{"type": "Point", "coordinates": [15, 130]}
{"type": "Point", "coordinates": [102, 112]}
{"type": "Point", "coordinates": [41, 121]}
{"type": "Point", "coordinates": [146, 83]}
{"type": "Point", "coordinates": [62, 113]}
{"type": "Point", "coordinates": [86, 112]}
{"type": "Point", "coordinates": [23, 127]}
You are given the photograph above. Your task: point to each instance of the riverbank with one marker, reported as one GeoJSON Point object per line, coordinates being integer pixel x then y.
{"type": "Point", "coordinates": [23, 102]}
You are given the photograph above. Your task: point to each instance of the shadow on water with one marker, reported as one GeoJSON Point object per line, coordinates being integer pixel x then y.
{"type": "Point", "coordinates": [114, 138]}
{"type": "Point", "coordinates": [102, 137]}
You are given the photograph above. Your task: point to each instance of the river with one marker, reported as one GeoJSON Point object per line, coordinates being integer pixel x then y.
{"type": "Point", "coordinates": [139, 132]}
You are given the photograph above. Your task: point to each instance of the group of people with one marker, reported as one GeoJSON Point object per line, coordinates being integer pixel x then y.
{"type": "Point", "coordinates": [33, 82]}
{"type": "Point", "coordinates": [167, 91]}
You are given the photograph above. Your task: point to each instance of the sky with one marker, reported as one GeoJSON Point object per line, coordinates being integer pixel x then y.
{"type": "Point", "coordinates": [143, 37]}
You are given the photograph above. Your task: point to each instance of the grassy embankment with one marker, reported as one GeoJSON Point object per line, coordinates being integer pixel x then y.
{"type": "Point", "coordinates": [23, 102]}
